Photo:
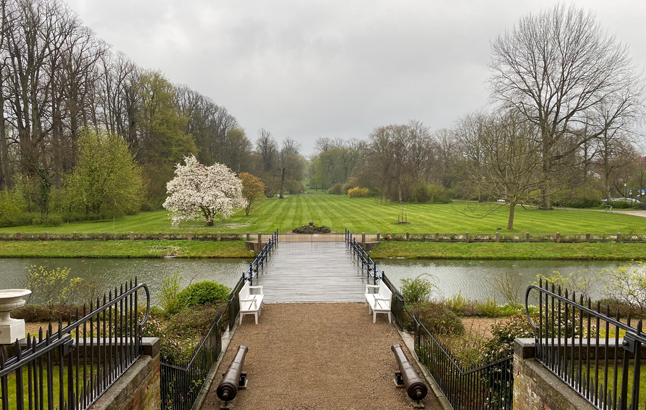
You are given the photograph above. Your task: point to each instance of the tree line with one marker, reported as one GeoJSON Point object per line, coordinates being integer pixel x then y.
{"type": "Point", "coordinates": [567, 106]}
{"type": "Point", "coordinates": [64, 97]}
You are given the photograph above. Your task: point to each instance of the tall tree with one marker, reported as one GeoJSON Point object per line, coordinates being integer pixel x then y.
{"type": "Point", "coordinates": [554, 68]}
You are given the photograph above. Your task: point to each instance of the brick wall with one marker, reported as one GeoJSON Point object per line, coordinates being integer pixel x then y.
{"type": "Point", "coordinates": [138, 388]}
{"type": "Point", "coordinates": [536, 388]}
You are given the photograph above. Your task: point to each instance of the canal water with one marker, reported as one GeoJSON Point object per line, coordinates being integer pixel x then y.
{"type": "Point", "coordinates": [473, 279]}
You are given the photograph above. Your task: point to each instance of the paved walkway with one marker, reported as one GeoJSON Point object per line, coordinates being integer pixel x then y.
{"type": "Point", "coordinates": [317, 356]}
{"type": "Point", "coordinates": [312, 272]}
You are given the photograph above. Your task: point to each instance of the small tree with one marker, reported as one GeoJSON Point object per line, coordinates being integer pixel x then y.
{"type": "Point", "coordinates": [106, 176]}
{"type": "Point", "coordinates": [199, 192]}
{"type": "Point", "coordinates": [252, 189]}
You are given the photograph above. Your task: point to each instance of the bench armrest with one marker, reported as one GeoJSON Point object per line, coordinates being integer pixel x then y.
{"type": "Point", "coordinates": [372, 286]}
{"type": "Point", "coordinates": [388, 299]}
{"type": "Point", "coordinates": [257, 287]}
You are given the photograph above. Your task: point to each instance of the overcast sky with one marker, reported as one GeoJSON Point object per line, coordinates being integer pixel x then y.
{"type": "Point", "coordinates": [328, 68]}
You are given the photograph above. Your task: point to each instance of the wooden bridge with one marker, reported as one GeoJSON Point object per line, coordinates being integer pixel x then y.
{"type": "Point", "coordinates": [313, 271]}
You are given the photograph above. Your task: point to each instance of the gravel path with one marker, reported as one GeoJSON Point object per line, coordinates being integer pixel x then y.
{"type": "Point", "coordinates": [317, 356]}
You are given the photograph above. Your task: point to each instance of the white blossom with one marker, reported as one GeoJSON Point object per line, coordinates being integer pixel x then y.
{"type": "Point", "coordinates": [199, 192]}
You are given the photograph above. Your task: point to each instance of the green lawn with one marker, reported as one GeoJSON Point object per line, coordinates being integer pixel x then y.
{"type": "Point", "coordinates": [570, 251]}
{"type": "Point", "coordinates": [370, 215]}
{"type": "Point", "coordinates": [124, 249]}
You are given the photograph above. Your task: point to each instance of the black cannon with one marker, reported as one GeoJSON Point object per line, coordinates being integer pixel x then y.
{"type": "Point", "coordinates": [407, 376]}
{"type": "Point", "coordinates": [234, 378]}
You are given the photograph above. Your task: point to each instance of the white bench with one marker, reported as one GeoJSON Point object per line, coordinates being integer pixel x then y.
{"type": "Point", "coordinates": [250, 304]}
{"type": "Point", "coordinates": [378, 302]}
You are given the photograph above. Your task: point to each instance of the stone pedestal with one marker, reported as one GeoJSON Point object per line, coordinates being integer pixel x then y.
{"type": "Point", "coordinates": [11, 329]}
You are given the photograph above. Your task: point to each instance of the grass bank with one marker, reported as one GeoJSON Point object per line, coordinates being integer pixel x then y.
{"type": "Point", "coordinates": [572, 251]}
{"type": "Point", "coordinates": [369, 215]}
{"type": "Point", "coordinates": [124, 249]}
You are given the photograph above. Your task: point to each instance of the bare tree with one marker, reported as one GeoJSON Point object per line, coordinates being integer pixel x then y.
{"type": "Point", "coordinates": [509, 162]}
{"type": "Point", "coordinates": [554, 68]}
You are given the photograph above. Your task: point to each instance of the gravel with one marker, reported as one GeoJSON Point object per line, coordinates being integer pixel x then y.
{"type": "Point", "coordinates": [317, 356]}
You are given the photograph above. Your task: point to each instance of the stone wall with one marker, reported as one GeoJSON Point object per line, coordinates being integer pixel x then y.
{"type": "Point", "coordinates": [139, 387]}
{"type": "Point", "coordinates": [536, 388]}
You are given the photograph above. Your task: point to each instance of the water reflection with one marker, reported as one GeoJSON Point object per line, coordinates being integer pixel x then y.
{"type": "Point", "coordinates": [108, 273]}
{"type": "Point", "coordinates": [474, 279]}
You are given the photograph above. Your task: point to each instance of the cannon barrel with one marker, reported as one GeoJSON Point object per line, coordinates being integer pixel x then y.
{"type": "Point", "coordinates": [415, 387]}
{"type": "Point", "coordinates": [228, 388]}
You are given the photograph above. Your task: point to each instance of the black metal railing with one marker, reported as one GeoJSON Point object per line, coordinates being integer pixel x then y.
{"type": "Point", "coordinates": [396, 303]}
{"type": "Point", "coordinates": [72, 367]}
{"type": "Point", "coordinates": [370, 266]}
{"type": "Point", "coordinates": [363, 257]}
{"type": "Point", "coordinates": [233, 303]}
{"type": "Point", "coordinates": [181, 382]}
{"type": "Point", "coordinates": [597, 355]}
{"type": "Point", "coordinates": [486, 387]}
{"type": "Point", "coordinates": [258, 263]}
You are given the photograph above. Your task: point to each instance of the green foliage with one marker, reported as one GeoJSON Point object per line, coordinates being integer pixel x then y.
{"type": "Point", "coordinates": [585, 197]}
{"type": "Point", "coordinates": [502, 342]}
{"type": "Point", "coordinates": [105, 177]}
{"type": "Point", "coordinates": [358, 192]}
{"type": "Point", "coordinates": [11, 203]}
{"type": "Point", "coordinates": [337, 189]}
{"type": "Point", "coordinates": [168, 295]}
{"type": "Point", "coordinates": [417, 289]}
{"type": "Point", "coordinates": [201, 293]}
{"type": "Point", "coordinates": [424, 192]}
{"type": "Point", "coordinates": [579, 282]}
{"type": "Point", "coordinates": [627, 285]}
{"type": "Point", "coordinates": [435, 316]}
{"type": "Point", "coordinates": [490, 308]}
{"type": "Point", "coordinates": [44, 192]}
{"type": "Point", "coordinates": [51, 286]}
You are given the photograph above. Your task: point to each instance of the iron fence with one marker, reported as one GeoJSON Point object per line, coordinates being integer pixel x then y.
{"type": "Point", "coordinates": [486, 387]}
{"type": "Point", "coordinates": [396, 303]}
{"type": "Point", "coordinates": [181, 382]}
{"type": "Point", "coordinates": [72, 367]}
{"type": "Point", "coordinates": [233, 304]}
{"type": "Point", "coordinates": [597, 355]}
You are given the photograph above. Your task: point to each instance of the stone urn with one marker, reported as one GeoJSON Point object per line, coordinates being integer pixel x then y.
{"type": "Point", "coordinates": [11, 329]}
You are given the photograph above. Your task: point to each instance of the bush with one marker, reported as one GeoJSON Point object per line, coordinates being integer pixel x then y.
{"type": "Point", "coordinates": [168, 295]}
{"type": "Point", "coordinates": [436, 317]}
{"type": "Point", "coordinates": [311, 229]}
{"type": "Point", "coordinates": [347, 187]}
{"type": "Point", "coordinates": [46, 313]}
{"type": "Point", "coordinates": [621, 204]}
{"type": "Point", "coordinates": [337, 189]}
{"type": "Point", "coordinates": [504, 332]}
{"type": "Point", "coordinates": [418, 289]}
{"type": "Point", "coordinates": [358, 192]}
{"type": "Point", "coordinates": [430, 193]}
{"type": "Point", "coordinates": [201, 293]}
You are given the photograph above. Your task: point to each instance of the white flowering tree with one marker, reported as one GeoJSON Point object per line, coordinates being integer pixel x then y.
{"type": "Point", "coordinates": [199, 192]}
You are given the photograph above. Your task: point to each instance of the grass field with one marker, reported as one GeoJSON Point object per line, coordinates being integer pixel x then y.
{"type": "Point", "coordinates": [370, 215]}
{"type": "Point", "coordinates": [124, 249]}
{"type": "Point", "coordinates": [570, 251]}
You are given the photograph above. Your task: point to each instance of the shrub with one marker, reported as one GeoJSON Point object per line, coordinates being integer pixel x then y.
{"type": "Point", "coordinates": [310, 229]}
{"type": "Point", "coordinates": [418, 289]}
{"type": "Point", "coordinates": [430, 193]}
{"type": "Point", "coordinates": [168, 295]}
{"type": "Point", "coordinates": [622, 204]}
{"type": "Point", "coordinates": [436, 317]}
{"type": "Point", "coordinates": [504, 332]}
{"type": "Point", "coordinates": [46, 313]}
{"type": "Point", "coordinates": [347, 187]}
{"type": "Point", "coordinates": [337, 189]}
{"type": "Point", "coordinates": [201, 293]}
{"type": "Point", "coordinates": [51, 286]}
{"type": "Point", "coordinates": [358, 192]}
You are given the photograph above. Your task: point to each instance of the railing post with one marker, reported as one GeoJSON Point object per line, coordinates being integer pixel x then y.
{"type": "Point", "coordinates": [407, 237]}
{"type": "Point", "coordinates": [618, 237]}
{"type": "Point", "coordinates": [437, 236]}
{"type": "Point", "coordinates": [466, 237]}
{"type": "Point", "coordinates": [378, 236]}
{"type": "Point", "coordinates": [558, 237]}
{"type": "Point", "coordinates": [527, 237]}
{"type": "Point", "coordinates": [587, 237]}
{"type": "Point", "coordinates": [497, 236]}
